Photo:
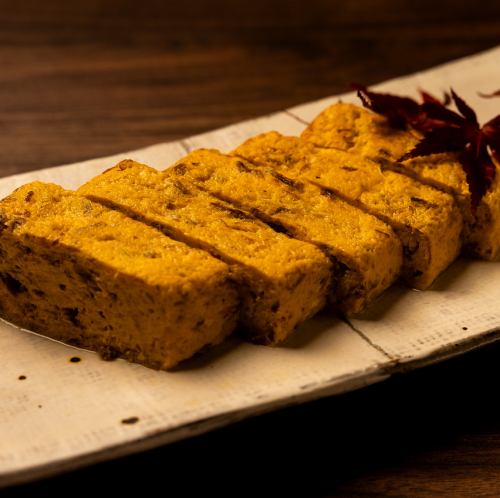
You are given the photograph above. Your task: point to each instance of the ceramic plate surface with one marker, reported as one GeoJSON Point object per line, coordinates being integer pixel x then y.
{"type": "Point", "coordinates": [63, 414]}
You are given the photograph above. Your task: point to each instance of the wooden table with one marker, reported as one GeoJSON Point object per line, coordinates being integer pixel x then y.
{"type": "Point", "coordinates": [89, 78]}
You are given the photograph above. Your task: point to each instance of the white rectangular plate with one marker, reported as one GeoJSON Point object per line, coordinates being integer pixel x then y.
{"type": "Point", "coordinates": [64, 415]}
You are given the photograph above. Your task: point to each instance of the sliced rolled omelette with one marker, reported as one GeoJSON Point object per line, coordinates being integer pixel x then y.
{"type": "Point", "coordinates": [426, 219]}
{"type": "Point", "coordinates": [354, 129]}
{"type": "Point", "coordinates": [89, 276]}
{"type": "Point", "coordinates": [368, 250]}
{"type": "Point", "coordinates": [281, 281]}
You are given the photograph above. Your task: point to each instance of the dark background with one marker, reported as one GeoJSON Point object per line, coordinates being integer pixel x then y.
{"type": "Point", "coordinates": [80, 79]}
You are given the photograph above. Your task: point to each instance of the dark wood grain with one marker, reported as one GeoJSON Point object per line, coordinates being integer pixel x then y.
{"type": "Point", "coordinates": [86, 78]}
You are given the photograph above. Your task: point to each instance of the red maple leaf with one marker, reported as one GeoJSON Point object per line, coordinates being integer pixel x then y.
{"type": "Point", "coordinates": [444, 130]}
